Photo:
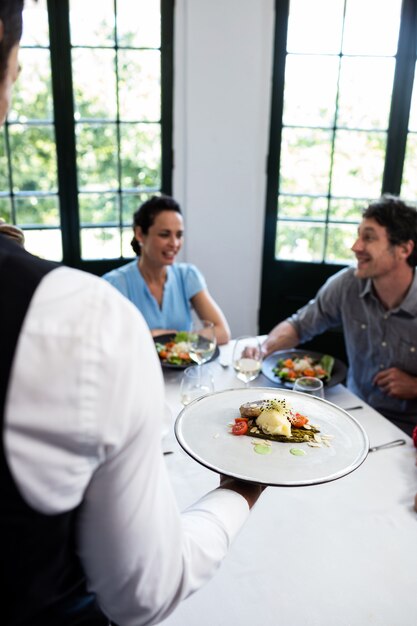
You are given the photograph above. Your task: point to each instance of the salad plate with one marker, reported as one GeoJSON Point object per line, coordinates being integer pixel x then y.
{"type": "Point", "coordinates": [338, 373]}
{"type": "Point", "coordinates": [203, 430]}
{"type": "Point", "coordinates": [163, 339]}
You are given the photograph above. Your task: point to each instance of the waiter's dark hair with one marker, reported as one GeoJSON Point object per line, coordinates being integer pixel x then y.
{"type": "Point", "coordinates": [11, 17]}
{"type": "Point", "coordinates": [147, 212]}
{"type": "Point", "coordinates": [400, 220]}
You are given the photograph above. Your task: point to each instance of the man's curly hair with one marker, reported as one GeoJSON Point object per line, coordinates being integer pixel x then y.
{"type": "Point", "coordinates": [400, 220]}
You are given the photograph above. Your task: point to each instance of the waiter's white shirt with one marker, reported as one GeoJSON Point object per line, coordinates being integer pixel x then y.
{"type": "Point", "coordinates": [83, 424]}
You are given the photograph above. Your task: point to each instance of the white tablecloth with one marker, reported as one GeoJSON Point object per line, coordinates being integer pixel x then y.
{"type": "Point", "coordinates": [342, 553]}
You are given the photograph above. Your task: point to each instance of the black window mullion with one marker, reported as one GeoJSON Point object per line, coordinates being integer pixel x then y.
{"type": "Point", "coordinates": [401, 99]}
{"type": "Point", "coordinates": [167, 73]}
{"type": "Point", "coordinates": [59, 27]}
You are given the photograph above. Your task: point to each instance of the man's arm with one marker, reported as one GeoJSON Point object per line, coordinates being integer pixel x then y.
{"type": "Point", "coordinates": [282, 337]}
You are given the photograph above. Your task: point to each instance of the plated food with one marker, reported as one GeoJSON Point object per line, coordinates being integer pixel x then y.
{"type": "Point", "coordinates": [291, 368]}
{"type": "Point", "coordinates": [176, 350]}
{"type": "Point", "coordinates": [285, 366]}
{"type": "Point", "coordinates": [275, 420]}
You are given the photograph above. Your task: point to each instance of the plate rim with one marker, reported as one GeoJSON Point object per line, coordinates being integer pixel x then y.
{"type": "Point", "coordinates": [300, 351]}
{"type": "Point", "coordinates": [299, 483]}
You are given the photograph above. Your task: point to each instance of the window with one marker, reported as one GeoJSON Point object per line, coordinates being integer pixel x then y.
{"type": "Point", "coordinates": [88, 137]}
{"type": "Point", "coordinates": [341, 103]}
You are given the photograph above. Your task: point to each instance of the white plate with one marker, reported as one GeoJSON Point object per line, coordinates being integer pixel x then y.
{"type": "Point", "coordinates": [202, 430]}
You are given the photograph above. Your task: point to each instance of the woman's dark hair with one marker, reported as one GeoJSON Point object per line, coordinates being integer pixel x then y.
{"type": "Point", "coordinates": [11, 16]}
{"type": "Point", "coordinates": [400, 220]}
{"type": "Point", "coordinates": [147, 212]}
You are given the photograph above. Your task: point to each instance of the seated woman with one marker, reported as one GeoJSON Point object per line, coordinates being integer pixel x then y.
{"type": "Point", "coordinates": [164, 291]}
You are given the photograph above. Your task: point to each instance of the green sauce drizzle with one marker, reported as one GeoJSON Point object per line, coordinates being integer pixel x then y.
{"type": "Point", "coordinates": [261, 448]}
{"type": "Point", "coordinates": [297, 452]}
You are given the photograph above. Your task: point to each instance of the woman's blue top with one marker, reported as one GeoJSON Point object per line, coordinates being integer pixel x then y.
{"type": "Point", "coordinates": [183, 282]}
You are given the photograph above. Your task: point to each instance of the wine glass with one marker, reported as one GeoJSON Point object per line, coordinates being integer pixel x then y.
{"type": "Point", "coordinates": [202, 341]}
{"type": "Point", "coordinates": [311, 385]}
{"type": "Point", "coordinates": [196, 382]}
{"type": "Point", "coordinates": [247, 358]}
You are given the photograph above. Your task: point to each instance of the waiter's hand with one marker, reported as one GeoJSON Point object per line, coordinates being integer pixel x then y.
{"type": "Point", "coordinates": [250, 491]}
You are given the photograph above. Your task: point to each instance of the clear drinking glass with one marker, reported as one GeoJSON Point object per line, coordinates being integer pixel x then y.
{"type": "Point", "coordinates": [196, 382]}
{"type": "Point", "coordinates": [311, 385]}
{"type": "Point", "coordinates": [247, 359]}
{"type": "Point", "coordinates": [202, 341]}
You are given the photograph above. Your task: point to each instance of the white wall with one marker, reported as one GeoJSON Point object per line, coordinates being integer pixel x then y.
{"type": "Point", "coordinates": [222, 80]}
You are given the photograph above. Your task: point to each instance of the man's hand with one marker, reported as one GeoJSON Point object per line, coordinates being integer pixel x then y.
{"type": "Point", "coordinates": [250, 491]}
{"type": "Point", "coordinates": [396, 383]}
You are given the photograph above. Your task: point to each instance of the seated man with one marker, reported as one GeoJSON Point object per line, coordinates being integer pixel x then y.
{"type": "Point", "coordinates": [376, 304]}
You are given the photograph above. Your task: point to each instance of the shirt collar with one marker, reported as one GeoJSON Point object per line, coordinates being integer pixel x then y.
{"type": "Point", "coordinates": [408, 305]}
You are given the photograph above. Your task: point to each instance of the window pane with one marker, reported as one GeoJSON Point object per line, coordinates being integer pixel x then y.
{"type": "Point", "coordinates": [139, 85]}
{"type": "Point", "coordinates": [146, 32]}
{"type": "Point", "coordinates": [100, 243]}
{"type": "Point", "coordinates": [4, 167]}
{"type": "Point", "coordinates": [35, 24]}
{"type": "Point", "coordinates": [371, 27]}
{"type": "Point", "coordinates": [312, 80]}
{"type": "Point", "coordinates": [340, 239]}
{"type": "Point", "coordinates": [94, 91]}
{"type": "Point", "coordinates": [98, 208]}
{"type": "Point", "coordinates": [46, 244]}
{"type": "Point", "coordinates": [358, 164]}
{"type": "Point", "coordinates": [32, 93]}
{"type": "Point", "coordinates": [305, 161]}
{"type": "Point", "coordinates": [365, 92]}
{"type": "Point", "coordinates": [92, 22]}
{"type": "Point", "coordinates": [308, 31]}
{"type": "Point", "coordinates": [140, 147]}
{"type": "Point", "coordinates": [300, 241]}
{"type": "Point", "coordinates": [6, 209]}
{"type": "Point", "coordinates": [347, 208]}
{"type": "Point", "coordinates": [33, 158]}
{"type": "Point", "coordinates": [97, 156]}
{"type": "Point", "coordinates": [130, 204]}
{"type": "Point", "coordinates": [37, 210]}
{"type": "Point", "coordinates": [412, 122]}
{"type": "Point", "coordinates": [127, 236]}
{"type": "Point", "coordinates": [301, 207]}
{"type": "Point", "coordinates": [409, 182]}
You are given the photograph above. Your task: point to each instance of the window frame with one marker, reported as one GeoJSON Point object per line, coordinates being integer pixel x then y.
{"type": "Point", "coordinates": [64, 125]}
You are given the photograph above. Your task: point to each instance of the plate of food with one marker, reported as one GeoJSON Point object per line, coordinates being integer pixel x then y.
{"type": "Point", "coordinates": [271, 436]}
{"type": "Point", "coordinates": [173, 350]}
{"type": "Point", "coordinates": [285, 366]}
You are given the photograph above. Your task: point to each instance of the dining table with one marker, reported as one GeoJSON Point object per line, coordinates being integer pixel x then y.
{"type": "Point", "coordinates": [338, 553]}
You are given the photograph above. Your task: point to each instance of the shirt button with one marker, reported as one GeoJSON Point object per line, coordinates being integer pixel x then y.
{"type": "Point", "coordinates": [412, 349]}
{"type": "Point", "coordinates": [381, 366]}
{"type": "Point", "coordinates": [363, 326]}
{"type": "Point", "coordinates": [386, 316]}
{"type": "Point", "coordinates": [384, 343]}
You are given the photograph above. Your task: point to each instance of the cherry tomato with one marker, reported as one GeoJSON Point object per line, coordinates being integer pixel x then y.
{"type": "Point", "coordinates": [309, 372]}
{"type": "Point", "coordinates": [163, 354]}
{"type": "Point", "coordinates": [240, 428]}
{"type": "Point", "coordinates": [241, 419]}
{"type": "Point", "coordinates": [299, 420]}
